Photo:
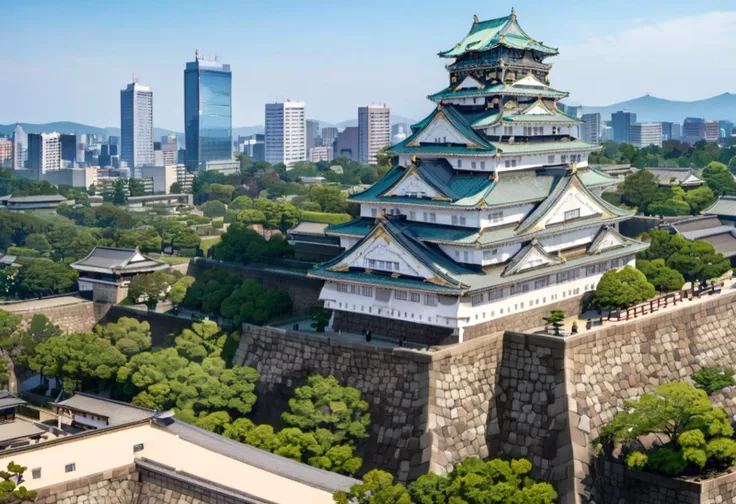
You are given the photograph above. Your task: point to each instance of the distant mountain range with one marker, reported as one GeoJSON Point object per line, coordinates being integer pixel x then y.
{"type": "Point", "coordinates": [652, 109]}
{"type": "Point", "coordinates": [72, 127]}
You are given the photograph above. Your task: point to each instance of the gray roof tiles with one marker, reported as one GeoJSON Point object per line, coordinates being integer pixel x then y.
{"type": "Point", "coordinates": [116, 412]}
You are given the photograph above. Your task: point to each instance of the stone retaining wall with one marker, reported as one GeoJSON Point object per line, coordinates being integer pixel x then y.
{"type": "Point", "coordinates": [394, 382]}
{"type": "Point", "coordinates": [616, 484]}
{"type": "Point", "coordinates": [623, 361]}
{"type": "Point", "coordinates": [78, 317]}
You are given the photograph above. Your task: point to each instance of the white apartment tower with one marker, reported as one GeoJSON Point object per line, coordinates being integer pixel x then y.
{"type": "Point", "coordinates": [646, 134]}
{"type": "Point", "coordinates": [136, 125]}
{"type": "Point", "coordinates": [591, 128]}
{"type": "Point", "coordinates": [286, 133]}
{"type": "Point", "coordinates": [374, 131]}
{"type": "Point", "coordinates": [44, 153]}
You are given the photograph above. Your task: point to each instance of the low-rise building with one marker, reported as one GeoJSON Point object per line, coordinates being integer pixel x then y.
{"type": "Point", "coordinates": [162, 177]}
{"type": "Point", "coordinates": [683, 177]}
{"type": "Point", "coordinates": [139, 453]}
{"type": "Point", "coordinates": [720, 233]}
{"type": "Point", "coordinates": [225, 166]}
{"type": "Point", "coordinates": [33, 202]}
{"type": "Point", "coordinates": [323, 153]}
{"type": "Point", "coordinates": [106, 272]}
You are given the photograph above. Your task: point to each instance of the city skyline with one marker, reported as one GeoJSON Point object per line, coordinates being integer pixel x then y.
{"type": "Point", "coordinates": [608, 38]}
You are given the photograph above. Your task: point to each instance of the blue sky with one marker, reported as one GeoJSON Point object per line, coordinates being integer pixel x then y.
{"type": "Point", "coordinates": [68, 60]}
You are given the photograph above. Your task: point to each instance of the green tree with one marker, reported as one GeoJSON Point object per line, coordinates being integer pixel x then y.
{"type": "Point", "coordinates": [698, 261]}
{"type": "Point", "coordinates": [663, 278]}
{"type": "Point", "coordinates": [324, 404]}
{"type": "Point", "coordinates": [213, 208]}
{"type": "Point", "coordinates": [118, 195]}
{"type": "Point", "coordinates": [699, 199]}
{"type": "Point", "coordinates": [250, 216]}
{"type": "Point", "coordinates": [40, 330]}
{"type": "Point", "coordinates": [622, 289]}
{"type": "Point", "coordinates": [42, 277]}
{"type": "Point", "coordinates": [150, 288]}
{"type": "Point", "coordinates": [38, 242]}
{"type": "Point", "coordinates": [719, 178]}
{"type": "Point", "coordinates": [555, 319]}
{"type": "Point", "coordinates": [9, 325]}
{"type": "Point", "coordinates": [179, 290]}
{"type": "Point", "coordinates": [241, 203]}
{"type": "Point", "coordinates": [640, 189]}
{"type": "Point", "coordinates": [700, 435]}
{"type": "Point", "coordinates": [713, 378]}
{"type": "Point", "coordinates": [204, 339]}
{"type": "Point", "coordinates": [220, 192]}
{"type": "Point", "coordinates": [11, 492]}
{"type": "Point", "coordinates": [129, 335]}
{"type": "Point", "coordinates": [136, 187]}
{"type": "Point", "coordinates": [377, 487]}
{"type": "Point", "coordinates": [321, 320]}
{"type": "Point", "coordinates": [176, 188]}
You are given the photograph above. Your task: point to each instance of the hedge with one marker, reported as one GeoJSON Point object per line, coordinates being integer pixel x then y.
{"type": "Point", "coordinates": [325, 218]}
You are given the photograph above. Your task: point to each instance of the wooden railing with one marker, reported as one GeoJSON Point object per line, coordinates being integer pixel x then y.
{"type": "Point", "coordinates": [660, 302]}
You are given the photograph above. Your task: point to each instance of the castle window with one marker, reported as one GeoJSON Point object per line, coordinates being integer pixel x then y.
{"type": "Point", "coordinates": [431, 300]}
{"type": "Point", "coordinates": [366, 290]}
{"type": "Point", "coordinates": [414, 297]}
{"type": "Point", "coordinates": [482, 165]}
{"type": "Point", "coordinates": [615, 263]}
{"type": "Point", "coordinates": [563, 158]}
{"type": "Point", "coordinates": [412, 215]}
{"type": "Point", "coordinates": [495, 217]}
{"type": "Point", "coordinates": [589, 270]}
{"type": "Point", "coordinates": [490, 254]}
{"type": "Point", "coordinates": [519, 288]}
{"type": "Point", "coordinates": [462, 221]}
{"type": "Point", "coordinates": [541, 283]}
{"type": "Point", "coordinates": [472, 165]}
{"type": "Point", "coordinates": [70, 467]}
{"type": "Point", "coordinates": [400, 295]}
{"type": "Point", "coordinates": [342, 288]}
{"type": "Point", "coordinates": [374, 212]}
{"type": "Point", "coordinates": [477, 299]}
{"type": "Point", "coordinates": [459, 163]}
{"type": "Point", "coordinates": [495, 294]}
{"type": "Point", "coordinates": [36, 472]}
{"type": "Point", "coordinates": [551, 159]}
{"type": "Point", "coordinates": [572, 214]}
{"type": "Point", "coordinates": [466, 256]}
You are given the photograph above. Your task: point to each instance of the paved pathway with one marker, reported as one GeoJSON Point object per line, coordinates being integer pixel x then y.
{"type": "Point", "coordinates": [40, 304]}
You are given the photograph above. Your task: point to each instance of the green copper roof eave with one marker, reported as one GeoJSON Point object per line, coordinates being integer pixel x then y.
{"type": "Point", "coordinates": [487, 35]}
{"type": "Point", "coordinates": [498, 90]}
{"type": "Point", "coordinates": [367, 278]}
{"type": "Point", "coordinates": [458, 121]}
{"type": "Point", "coordinates": [441, 150]}
{"type": "Point", "coordinates": [543, 147]}
{"type": "Point", "coordinates": [557, 118]}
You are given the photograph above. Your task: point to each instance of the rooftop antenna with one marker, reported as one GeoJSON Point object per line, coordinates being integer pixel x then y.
{"type": "Point", "coordinates": [196, 54]}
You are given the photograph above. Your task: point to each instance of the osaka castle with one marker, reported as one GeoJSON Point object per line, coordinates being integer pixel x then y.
{"type": "Point", "coordinates": [488, 211]}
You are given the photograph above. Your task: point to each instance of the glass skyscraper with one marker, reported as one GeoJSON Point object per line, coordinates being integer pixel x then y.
{"type": "Point", "coordinates": [207, 112]}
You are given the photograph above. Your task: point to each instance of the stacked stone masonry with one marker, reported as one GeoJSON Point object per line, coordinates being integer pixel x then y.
{"type": "Point", "coordinates": [78, 317]}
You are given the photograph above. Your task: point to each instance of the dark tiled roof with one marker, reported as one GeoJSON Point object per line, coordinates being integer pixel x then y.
{"type": "Point", "coordinates": [116, 412]}
{"type": "Point", "coordinates": [117, 260]}
{"type": "Point", "coordinates": [8, 400]}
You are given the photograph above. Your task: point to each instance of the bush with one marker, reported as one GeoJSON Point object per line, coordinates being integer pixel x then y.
{"type": "Point", "coordinates": [23, 252]}
{"type": "Point", "coordinates": [711, 379]}
{"type": "Point", "coordinates": [325, 218]}
{"type": "Point", "coordinates": [622, 289]}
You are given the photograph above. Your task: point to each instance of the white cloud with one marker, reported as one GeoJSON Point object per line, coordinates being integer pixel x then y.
{"type": "Point", "coordinates": [686, 58]}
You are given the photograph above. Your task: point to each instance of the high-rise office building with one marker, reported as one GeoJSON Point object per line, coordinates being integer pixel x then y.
{"type": "Point", "coordinates": [6, 151]}
{"type": "Point", "coordinates": [286, 135]}
{"type": "Point", "coordinates": [329, 135]}
{"type": "Point", "coordinates": [208, 127]}
{"type": "Point", "coordinates": [312, 133]}
{"type": "Point", "coordinates": [20, 148]}
{"type": "Point", "coordinates": [622, 122]}
{"type": "Point", "coordinates": [253, 146]}
{"type": "Point", "coordinates": [44, 153]}
{"type": "Point", "coordinates": [693, 130]}
{"type": "Point", "coordinates": [726, 128]}
{"type": "Point", "coordinates": [711, 131]}
{"type": "Point", "coordinates": [136, 125]}
{"type": "Point", "coordinates": [169, 148]}
{"type": "Point", "coordinates": [322, 153]}
{"type": "Point", "coordinates": [591, 128]}
{"type": "Point", "coordinates": [69, 148]}
{"type": "Point", "coordinates": [646, 134]}
{"type": "Point", "coordinates": [374, 131]}
{"type": "Point", "coordinates": [346, 143]}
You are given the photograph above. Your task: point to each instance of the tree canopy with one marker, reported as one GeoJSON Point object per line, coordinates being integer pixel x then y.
{"type": "Point", "coordinates": [622, 289]}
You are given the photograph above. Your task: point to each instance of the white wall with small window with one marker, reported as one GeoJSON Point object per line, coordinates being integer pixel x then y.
{"type": "Point", "coordinates": [500, 216]}
{"type": "Point", "coordinates": [402, 304]}
{"type": "Point", "coordinates": [571, 239]}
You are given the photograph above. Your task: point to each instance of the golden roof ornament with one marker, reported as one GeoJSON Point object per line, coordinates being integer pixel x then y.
{"type": "Point", "coordinates": [513, 13]}
{"type": "Point", "coordinates": [414, 159]}
{"type": "Point", "coordinates": [475, 19]}
{"type": "Point", "coordinates": [573, 168]}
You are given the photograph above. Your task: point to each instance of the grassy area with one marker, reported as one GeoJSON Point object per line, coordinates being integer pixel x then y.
{"type": "Point", "coordinates": [207, 242]}
{"type": "Point", "coordinates": [325, 218]}
{"type": "Point", "coordinates": [169, 259]}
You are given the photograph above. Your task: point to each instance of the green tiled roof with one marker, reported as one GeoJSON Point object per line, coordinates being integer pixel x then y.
{"type": "Point", "coordinates": [554, 197]}
{"type": "Point", "coordinates": [595, 178]}
{"type": "Point", "coordinates": [542, 147]}
{"type": "Point", "coordinates": [498, 89]}
{"type": "Point", "coordinates": [724, 205]}
{"type": "Point", "coordinates": [485, 35]}
{"type": "Point", "coordinates": [485, 120]}
{"type": "Point", "coordinates": [466, 281]}
{"type": "Point", "coordinates": [459, 121]}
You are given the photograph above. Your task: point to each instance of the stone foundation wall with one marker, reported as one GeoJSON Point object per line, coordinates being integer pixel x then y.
{"type": "Point", "coordinates": [78, 317]}
{"type": "Point", "coordinates": [118, 486]}
{"type": "Point", "coordinates": [623, 361]}
{"type": "Point", "coordinates": [416, 333]}
{"type": "Point", "coordinates": [523, 321]}
{"type": "Point", "coordinates": [394, 382]}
